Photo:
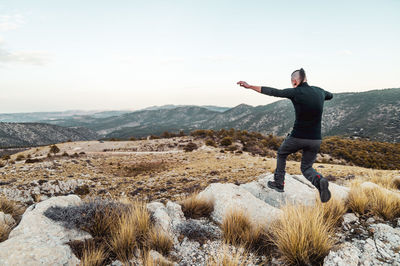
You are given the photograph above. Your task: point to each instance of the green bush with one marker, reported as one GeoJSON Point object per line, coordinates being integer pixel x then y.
{"type": "Point", "coordinates": [226, 141]}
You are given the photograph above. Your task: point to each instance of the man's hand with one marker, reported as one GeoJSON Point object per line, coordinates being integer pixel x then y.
{"type": "Point", "coordinates": [244, 84]}
{"type": "Point", "coordinates": [247, 86]}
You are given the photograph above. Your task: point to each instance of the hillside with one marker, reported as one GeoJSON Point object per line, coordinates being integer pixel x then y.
{"type": "Point", "coordinates": [373, 114]}
{"type": "Point", "coordinates": [34, 134]}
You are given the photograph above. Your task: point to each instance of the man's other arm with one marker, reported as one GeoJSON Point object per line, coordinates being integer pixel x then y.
{"type": "Point", "coordinates": [285, 93]}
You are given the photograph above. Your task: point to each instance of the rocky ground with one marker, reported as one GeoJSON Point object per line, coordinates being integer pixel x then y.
{"type": "Point", "coordinates": [161, 173]}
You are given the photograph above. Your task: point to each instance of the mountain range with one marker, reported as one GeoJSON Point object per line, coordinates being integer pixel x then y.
{"type": "Point", "coordinates": [372, 114]}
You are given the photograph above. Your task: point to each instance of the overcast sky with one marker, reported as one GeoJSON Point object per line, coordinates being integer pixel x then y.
{"type": "Point", "coordinates": [102, 54]}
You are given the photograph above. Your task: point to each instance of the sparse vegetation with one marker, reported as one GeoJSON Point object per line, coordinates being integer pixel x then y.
{"type": "Point", "coordinates": [20, 157]}
{"type": "Point", "coordinates": [195, 206]}
{"type": "Point", "coordinates": [54, 149]}
{"type": "Point", "coordinates": [160, 241]}
{"type": "Point", "coordinates": [301, 235]}
{"type": "Point", "coordinates": [191, 146]}
{"type": "Point", "coordinates": [374, 201]}
{"type": "Point", "coordinates": [226, 257]}
{"type": "Point", "coordinates": [239, 231]}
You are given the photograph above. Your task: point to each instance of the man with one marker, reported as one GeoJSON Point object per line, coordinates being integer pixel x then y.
{"type": "Point", "coordinates": [308, 103]}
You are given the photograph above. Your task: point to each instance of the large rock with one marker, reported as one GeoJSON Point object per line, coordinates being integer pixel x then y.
{"type": "Point", "coordinates": [231, 197]}
{"type": "Point", "coordinates": [37, 240]}
{"type": "Point", "coordinates": [298, 190]}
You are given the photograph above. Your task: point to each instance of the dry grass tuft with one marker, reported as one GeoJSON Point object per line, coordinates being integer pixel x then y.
{"type": "Point", "coordinates": [374, 201]}
{"type": "Point", "coordinates": [130, 232]}
{"type": "Point", "coordinates": [195, 206]}
{"type": "Point", "coordinates": [333, 211]}
{"type": "Point", "coordinates": [302, 235]}
{"type": "Point", "coordinates": [160, 241]}
{"type": "Point", "coordinates": [12, 208]}
{"type": "Point", "coordinates": [147, 260]}
{"type": "Point", "coordinates": [93, 255]}
{"type": "Point", "coordinates": [4, 232]}
{"type": "Point", "coordinates": [226, 257]}
{"type": "Point", "coordinates": [239, 231]}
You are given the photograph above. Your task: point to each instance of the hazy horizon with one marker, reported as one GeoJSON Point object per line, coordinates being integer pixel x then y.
{"type": "Point", "coordinates": [130, 55]}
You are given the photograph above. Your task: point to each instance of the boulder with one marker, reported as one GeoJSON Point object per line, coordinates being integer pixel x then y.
{"type": "Point", "coordinates": [231, 197]}
{"type": "Point", "coordinates": [298, 190]}
{"type": "Point", "coordinates": [38, 240]}
{"type": "Point", "coordinates": [295, 191]}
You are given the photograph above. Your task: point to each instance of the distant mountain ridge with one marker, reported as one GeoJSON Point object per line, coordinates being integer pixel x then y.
{"type": "Point", "coordinates": [373, 114]}
{"type": "Point", "coordinates": [35, 134]}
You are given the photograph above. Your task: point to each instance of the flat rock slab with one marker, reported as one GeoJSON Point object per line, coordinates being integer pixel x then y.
{"type": "Point", "coordinates": [296, 192]}
{"type": "Point", "coordinates": [38, 240]}
{"type": "Point", "coordinates": [232, 197]}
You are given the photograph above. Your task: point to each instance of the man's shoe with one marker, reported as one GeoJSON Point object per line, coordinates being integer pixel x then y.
{"type": "Point", "coordinates": [275, 186]}
{"type": "Point", "coordinates": [324, 192]}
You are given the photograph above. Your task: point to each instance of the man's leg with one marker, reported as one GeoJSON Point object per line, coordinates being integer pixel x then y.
{"type": "Point", "coordinates": [309, 155]}
{"type": "Point", "coordinates": [289, 145]}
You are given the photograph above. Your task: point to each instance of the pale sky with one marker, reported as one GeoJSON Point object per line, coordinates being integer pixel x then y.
{"type": "Point", "coordinates": [103, 54]}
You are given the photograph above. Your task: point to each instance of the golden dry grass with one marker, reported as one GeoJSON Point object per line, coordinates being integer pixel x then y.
{"type": "Point", "coordinates": [374, 201]}
{"type": "Point", "coordinates": [239, 231]}
{"type": "Point", "coordinates": [302, 235]}
{"type": "Point", "coordinates": [147, 260]}
{"type": "Point", "coordinates": [160, 241]}
{"type": "Point", "coordinates": [386, 181]}
{"type": "Point", "coordinates": [93, 255]}
{"type": "Point", "coordinates": [195, 206]}
{"type": "Point", "coordinates": [227, 257]}
{"type": "Point", "coordinates": [4, 232]}
{"type": "Point", "coordinates": [12, 208]}
{"type": "Point", "coordinates": [130, 232]}
{"type": "Point", "coordinates": [333, 210]}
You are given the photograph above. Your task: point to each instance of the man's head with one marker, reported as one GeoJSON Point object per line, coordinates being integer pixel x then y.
{"type": "Point", "coordinates": [298, 77]}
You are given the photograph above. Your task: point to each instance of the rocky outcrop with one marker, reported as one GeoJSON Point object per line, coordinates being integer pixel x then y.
{"type": "Point", "coordinates": [298, 190]}
{"type": "Point", "coordinates": [37, 240]}
{"type": "Point", "coordinates": [45, 189]}
{"type": "Point", "coordinates": [378, 245]}
{"type": "Point", "coordinates": [231, 197]}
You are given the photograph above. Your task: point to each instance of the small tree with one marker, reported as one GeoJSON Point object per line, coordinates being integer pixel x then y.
{"type": "Point", "coordinates": [54, 149]}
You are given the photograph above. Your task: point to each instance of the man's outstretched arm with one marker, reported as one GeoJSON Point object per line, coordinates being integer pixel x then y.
{"type": "Point", "coordinates": [285, 93]}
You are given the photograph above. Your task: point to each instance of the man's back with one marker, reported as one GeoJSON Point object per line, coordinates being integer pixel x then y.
{"type": "Point", "coordinates": [308, 102]}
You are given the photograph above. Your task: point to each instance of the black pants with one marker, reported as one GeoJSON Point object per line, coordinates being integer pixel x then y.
{"type": "Point", "coordinates": [310, 148]}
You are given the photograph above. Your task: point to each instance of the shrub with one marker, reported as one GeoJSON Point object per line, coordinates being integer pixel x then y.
{"type": "Point", "coordinates": [132, 138]}
{"type": "Point", "coordinates": [54, 149]}
{"type": "Point", "coordinates": [191, 146]}
{"type": "Point", "coordinates": [211, 142]}
{"type": "Point", "coordinates": [34, 160]}
{"type": "Point", "coordinates": [196, 207]}
{"type": "Point", "coordinates": [197, 231]}
{"type": "Point", "coordinates": [226, 141]}
{"type": "Point", "coordinates": [6, 157]}
{"type": "Point", "coordinates": [301, 235]}
{"type": "Point", "coordinates": [20, 157]}
{"type": "Point", "coordinates": [65, 154]}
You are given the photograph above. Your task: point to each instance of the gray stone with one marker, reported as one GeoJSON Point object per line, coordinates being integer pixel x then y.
{"type": "Point", "coordinates": [295, 191]}
{"type": "Point", "coordinates": [229, 197]}
{"type": "Point", "coordinates": [37, 240]}
{"type": "Point", "coordinates": [346, 255]}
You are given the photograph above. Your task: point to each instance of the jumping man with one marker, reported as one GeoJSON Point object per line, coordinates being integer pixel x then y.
{"type": "Point", "coordinates": [308, 104]}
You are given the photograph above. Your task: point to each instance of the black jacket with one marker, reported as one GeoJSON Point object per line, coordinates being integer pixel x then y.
{"type": "Point", "coordinates": [308, 102]}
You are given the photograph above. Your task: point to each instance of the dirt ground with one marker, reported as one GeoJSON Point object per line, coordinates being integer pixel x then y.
{"type": "Point", "coordinates": [156, 169]}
